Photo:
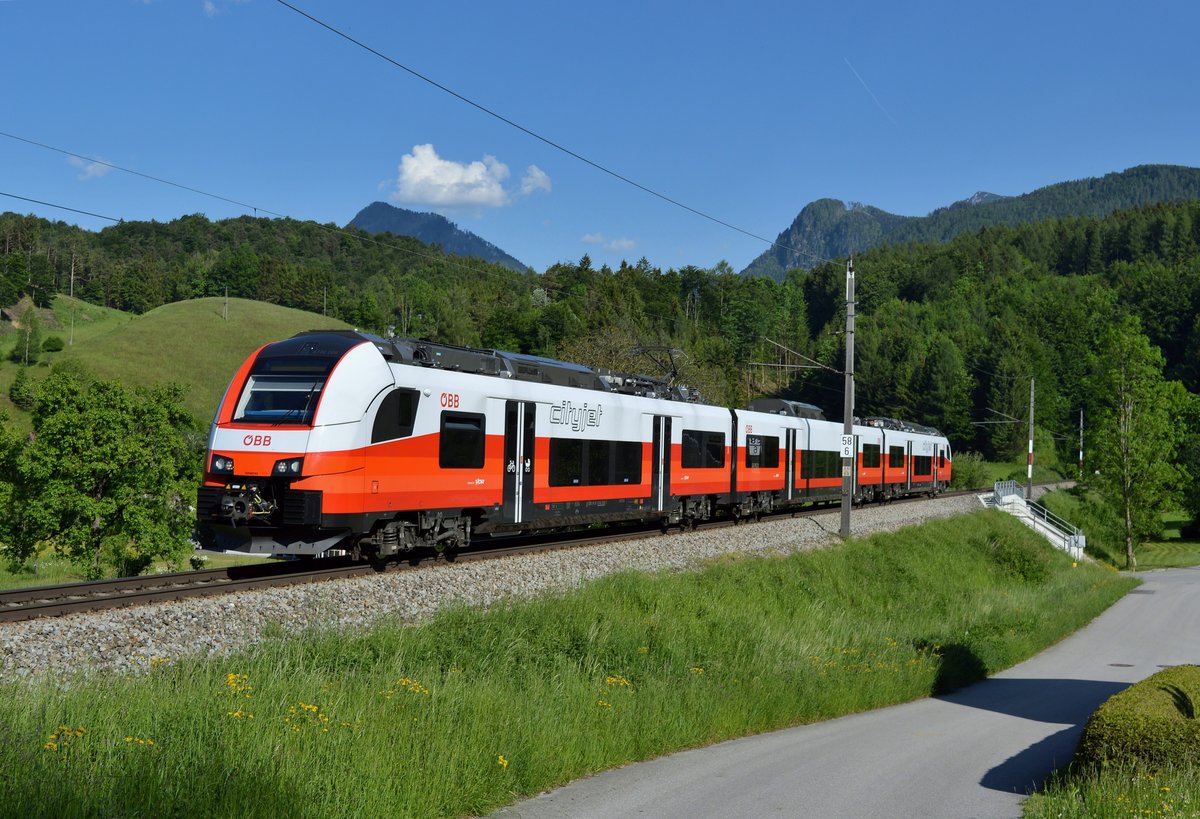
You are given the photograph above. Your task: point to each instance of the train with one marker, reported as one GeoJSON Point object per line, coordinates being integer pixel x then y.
{"type": "Point", "coordinates": [342, 440]}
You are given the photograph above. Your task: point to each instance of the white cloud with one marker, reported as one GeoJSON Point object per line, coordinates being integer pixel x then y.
{"type": "Point", "coordinates": [210, 8]}
{"type": "Point", "coordinates": [427, 179]}
{"type": "Point", "coordinates": [535, 179]}
{"type": "Point", "coordinates": [615, 245]}
{"type": "Point", "coordinates": [89, 170]}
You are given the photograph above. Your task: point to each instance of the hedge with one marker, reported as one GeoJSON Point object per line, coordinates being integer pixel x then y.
{"type": "Point", "coordinates": [1152, 723]}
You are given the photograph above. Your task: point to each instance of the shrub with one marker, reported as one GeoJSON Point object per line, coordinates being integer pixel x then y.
{"type": "Point", "coordinates": [1152, 723]}
{"type": "Point", "coordinates": [969, 471]}
{"type": "Point", "coordinates": [53, 344]}
{"type": "Point", "coordinates": [1025, 561]}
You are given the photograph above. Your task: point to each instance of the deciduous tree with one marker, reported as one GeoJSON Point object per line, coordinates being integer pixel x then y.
{"type": "Point", "coordinates": [1138, 432]}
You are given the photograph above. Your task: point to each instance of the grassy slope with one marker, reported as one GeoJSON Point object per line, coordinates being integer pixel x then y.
{"type": "Point", "coordinates": [480, 707]}
{"type": "Point", "coordinates": [187, 341]}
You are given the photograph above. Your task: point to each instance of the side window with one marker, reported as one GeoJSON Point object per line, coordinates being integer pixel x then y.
{"type": "Point", "coordinates": [702, 450]}
{"type": "Point", "coordinates": [575, 462]}
{"type": "Point", "coordinates": [566, 462]}
{"type": "Point", "coordinates": [762, 451]}
{"type": "Point", "coordinates": [396, 416]}
{"type": "Point", "coordinates": [922, 464]}
{"type": "Point", "coordinates": [871, 456]}
{"type": "Point", "coordinates": [462, 441]}
{"type": "Point", "coordinates": [895, 457]}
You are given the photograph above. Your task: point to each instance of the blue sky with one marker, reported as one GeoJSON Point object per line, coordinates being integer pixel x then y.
{"type": "Point", "coordinates": [745, 111]}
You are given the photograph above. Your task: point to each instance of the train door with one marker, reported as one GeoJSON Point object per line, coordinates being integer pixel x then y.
{"type": "Point", "coordinates": [518, 460]}
{"type": "Point", "coordinates": [908, 466]}
{"type": "Point", "coordinates": [790, 468]}
{"type": "Point", "coordinates": [660, 471]}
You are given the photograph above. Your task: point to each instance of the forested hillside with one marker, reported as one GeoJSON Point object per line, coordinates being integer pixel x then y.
{"type": "Point", "coordinates": [947, 332]}
{"type": "Point", "coordinates": [830, 229]}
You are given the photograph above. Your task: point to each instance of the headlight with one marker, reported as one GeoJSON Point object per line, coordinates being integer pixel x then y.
{"type": "Point", "coordinates": [222, 465]}
{"type": "Point", "coordinates": [289, 467]}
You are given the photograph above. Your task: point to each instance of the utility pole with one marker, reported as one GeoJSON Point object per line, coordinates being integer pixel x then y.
{"type": "Point", "coordinates": [1029, 486]}
{"type": "Point", "coordinates": [848, 448]}
{"type": "Point", "coordinates": [71, 338]}
{"type": "Point", "coordinates": [225, 311]}
{"type": "Point", "coordinates": [1081, 443]}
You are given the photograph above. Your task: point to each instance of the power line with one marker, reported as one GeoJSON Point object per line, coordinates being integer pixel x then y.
{"type": "Point", "coordinates": [60, 207]}
{"type": "Point", "coordinates": [557, 146]}
{"type": "Point", "coordinates": [139, 173]}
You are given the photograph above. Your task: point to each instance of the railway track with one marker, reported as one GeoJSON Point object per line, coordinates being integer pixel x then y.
{"type": "Point", "coordinates": [73, 598]}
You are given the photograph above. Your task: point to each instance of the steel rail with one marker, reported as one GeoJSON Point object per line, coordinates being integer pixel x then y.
{"type": "Point", "coordinates": [74, 598]}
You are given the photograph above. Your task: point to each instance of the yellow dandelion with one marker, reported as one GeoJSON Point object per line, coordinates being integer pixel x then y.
{"type": "Point", "coordinates": [603, 704]}
{"type": "Point", "coordinates": [501, 761]}
{"type": "Point", "coordinates": [643, 649]}
{"type": "Point", "coordinates": [697, 669]}
{"type": "Point", "coordinates": [51, 746]}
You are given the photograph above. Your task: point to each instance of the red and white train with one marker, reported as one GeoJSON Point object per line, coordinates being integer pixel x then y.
{"type": "Point", "coordinates": [377, 446]}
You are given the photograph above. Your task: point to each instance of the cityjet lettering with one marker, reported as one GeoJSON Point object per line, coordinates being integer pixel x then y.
{"type": "Point", "coordinates": [577, 418]}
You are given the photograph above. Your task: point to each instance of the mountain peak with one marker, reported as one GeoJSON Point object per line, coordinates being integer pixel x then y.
{"type": "Point", "coordinates": [432, 229]}
{"type": "Point", "coordinates": [831, 229]}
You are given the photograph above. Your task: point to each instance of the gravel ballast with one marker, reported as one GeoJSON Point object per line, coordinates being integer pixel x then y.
{"type": "Point", "coordinates": [137, 638]}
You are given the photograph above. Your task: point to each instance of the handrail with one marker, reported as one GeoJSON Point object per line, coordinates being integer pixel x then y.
{"type": "Point", "coordinates": [1051, 518]}
{"type": "Point", "coordinates": [1004, 489]}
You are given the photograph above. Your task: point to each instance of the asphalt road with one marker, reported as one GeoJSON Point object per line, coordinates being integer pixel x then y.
{"type": "Point", "coordinates": [975, 753]}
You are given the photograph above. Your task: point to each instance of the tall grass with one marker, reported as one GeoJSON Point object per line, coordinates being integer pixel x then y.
{"type": "Point", "coordinates": [477, 708]}
{"type": "Point", "coordinates": [1117, 792]}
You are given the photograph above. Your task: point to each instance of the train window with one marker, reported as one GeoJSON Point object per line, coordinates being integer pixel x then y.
{"type": "Point", "coordinates": [396, 416]}
{"type": "Point", "coordinates": [820, 463]}
{"type": "Point", "coordinates": [462, 441]}
{"type": "Point", "coordinates": [922, 464]}
{"type": "Point", "coordinates": [942, 459]}
{"type": "Point", "coordinates": [702, 450]}
{"type": "Point", "coordinates": [626, 462]}
{"type": "Point", "coordinates": [762, 451]}
{"type": "Point", "coordinates": [566, 462]}
{"type": "Point", "coordinates": [871, 456]}
{"type": "Point", "coordinates": [575, 462]}
{"type": "Point", "coordinates": [895, 457]}
{"type": "Point", "coordinates": [598, 461]}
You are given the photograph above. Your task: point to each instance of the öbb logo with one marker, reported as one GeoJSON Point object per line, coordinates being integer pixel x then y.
{"type": "Point", "coordinates": [257, 440]}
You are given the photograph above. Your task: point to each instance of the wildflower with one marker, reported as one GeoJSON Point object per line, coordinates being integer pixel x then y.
{"type": "Point", "coordinates": [239, 684]}
{"type": "Point", "coordinates": [62, 737]}
{"type": "Point", "coordinates": [603, 704]}
{"type": "Point", "coordinates": [618, 680]}
{"type": "Point", "coordinates": [697, 670]}
{"type": "Point", "coordinates": [643, 649]}
{"type": "Point", "coordinates": [501, 761]}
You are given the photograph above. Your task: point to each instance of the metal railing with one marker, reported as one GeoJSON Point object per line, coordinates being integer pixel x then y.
{"type": "Point", "coordinates": [1073, 539]}
{"type": "Point", "coordinates": [1005, 489]}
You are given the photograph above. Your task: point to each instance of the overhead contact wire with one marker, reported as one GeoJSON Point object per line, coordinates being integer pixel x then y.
{"type": "Point", "coordinates": [539, 137]}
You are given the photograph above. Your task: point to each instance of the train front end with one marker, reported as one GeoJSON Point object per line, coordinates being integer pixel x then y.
{"type": "Point", "coordinates": [284, 466]}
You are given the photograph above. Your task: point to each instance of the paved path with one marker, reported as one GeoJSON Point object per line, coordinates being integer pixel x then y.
{"type": "Point", "coordinates": [975, 753]}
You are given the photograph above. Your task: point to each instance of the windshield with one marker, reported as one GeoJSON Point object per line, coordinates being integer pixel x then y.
{"type": "Point", "coordinates": [283, 389]}
{"type": "Point", "coordinates": [279, 399]}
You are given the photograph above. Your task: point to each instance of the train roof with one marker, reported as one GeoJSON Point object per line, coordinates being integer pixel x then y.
{"type": "Point", "coordinates": [498, 363]}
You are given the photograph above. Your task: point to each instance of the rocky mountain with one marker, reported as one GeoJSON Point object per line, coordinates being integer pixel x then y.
{"type": "Point", "coordinates": [831, 229]}
{"type": "Point", "coordinates": [432, 229]}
